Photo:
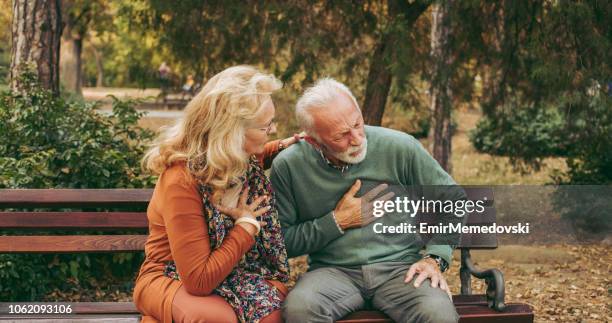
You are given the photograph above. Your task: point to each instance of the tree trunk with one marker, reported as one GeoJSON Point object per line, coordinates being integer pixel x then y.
{"type": "Point", "coordinates": [99, 67]}
{"type": "Point", "coordinates": [36, 32]}
{"type": "Point", "coordinates": [441, 92]}
{"type": "Point", "coordinates": [493, 73]}
{"type": "Point", "coordinates": [379, 76]}
{"type": "Point", "coordinates": [378, 86]}
{"type": "Point", "coordinates": [70, 59]}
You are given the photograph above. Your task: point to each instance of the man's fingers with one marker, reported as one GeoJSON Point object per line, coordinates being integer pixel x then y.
{"type": "Point", "coordinates": [410, 274]}
{"type": "Point", "coordinates": [386, 197]}
{"type": "Point", "coordinates": [368, 206]}
{"type": "Point", "coordinates": [368, 219]}
{"type": "Point", "coordinates": [434, 281]}
{"type": "Point", "coordinates": [354, 189]}
{"type": "Point", "coordinates": [421, 278]}
{"type": "Point", "coordinates": [375, 191]}
{"type": "Point", "coordinates": [444, 287]}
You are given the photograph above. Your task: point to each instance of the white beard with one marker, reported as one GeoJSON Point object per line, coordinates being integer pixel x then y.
{"type": "Point", "coordinates": [346, 156]}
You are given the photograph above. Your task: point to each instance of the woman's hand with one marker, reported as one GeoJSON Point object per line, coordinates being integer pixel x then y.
{"type": "Point", "coordinates": [246, 210]}
{"type": "Point", "coordinates": [292, 140]}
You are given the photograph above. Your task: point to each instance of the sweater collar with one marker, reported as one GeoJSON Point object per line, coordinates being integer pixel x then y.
{"type": "Point", "coordinates": [342, 168]}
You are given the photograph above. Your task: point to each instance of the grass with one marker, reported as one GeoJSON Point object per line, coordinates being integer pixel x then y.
{"type": "Point", "coordinates": [473, 168]}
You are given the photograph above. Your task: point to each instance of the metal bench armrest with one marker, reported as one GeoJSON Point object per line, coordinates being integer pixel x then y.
{"type": "Point", "coordinates": [493, 278]}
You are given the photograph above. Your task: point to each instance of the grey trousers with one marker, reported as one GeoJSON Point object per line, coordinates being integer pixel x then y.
{"type": "Point", "coordinates": [329, 293]}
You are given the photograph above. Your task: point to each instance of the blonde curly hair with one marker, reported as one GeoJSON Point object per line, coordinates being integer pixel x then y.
{"type": "Point", "coordinates": [210, 137]}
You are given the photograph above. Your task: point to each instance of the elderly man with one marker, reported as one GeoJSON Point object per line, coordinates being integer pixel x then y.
{"type": "Point", "coordinates": [316, 184]}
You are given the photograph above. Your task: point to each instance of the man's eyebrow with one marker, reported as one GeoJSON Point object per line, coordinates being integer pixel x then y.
{"type": "Point", "coordinates": [341, 132]}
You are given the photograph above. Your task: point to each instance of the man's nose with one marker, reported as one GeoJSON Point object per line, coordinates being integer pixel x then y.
{"type": "Point", "coordinates": [356, 138]}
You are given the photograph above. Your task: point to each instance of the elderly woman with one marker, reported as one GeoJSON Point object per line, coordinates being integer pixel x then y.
{"type": "Point", "coordinates": [215, 251]}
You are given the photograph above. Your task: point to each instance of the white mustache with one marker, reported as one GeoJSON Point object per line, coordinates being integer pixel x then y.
{"type": "Point", "coordinates": [353, 150]}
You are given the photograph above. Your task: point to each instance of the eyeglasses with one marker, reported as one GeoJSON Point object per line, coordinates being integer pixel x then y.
{"type": "Point", "coordinates": [269, 128]}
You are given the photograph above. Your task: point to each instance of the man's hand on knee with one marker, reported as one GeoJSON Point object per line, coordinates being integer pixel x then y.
{"type": "Point", "coordinates": [428, 268]}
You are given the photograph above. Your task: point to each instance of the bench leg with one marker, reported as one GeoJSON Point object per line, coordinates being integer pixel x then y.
{"type": "Point", "coordinates": [465, 274]}
{"type": "Point", "coordinates": [493, 278]}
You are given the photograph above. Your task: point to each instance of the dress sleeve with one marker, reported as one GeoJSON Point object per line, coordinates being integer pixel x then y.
{"type": "Point", "coordinates": [270, 151]}
{"type": "Point", "coordinates": [201, 269]}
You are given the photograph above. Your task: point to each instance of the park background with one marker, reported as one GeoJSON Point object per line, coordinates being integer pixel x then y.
{"type": "Point", "coordinates": [501, 93]}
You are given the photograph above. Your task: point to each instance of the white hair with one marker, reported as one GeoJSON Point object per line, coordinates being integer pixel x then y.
{"type": "Point", "coordinates": [320, 95]}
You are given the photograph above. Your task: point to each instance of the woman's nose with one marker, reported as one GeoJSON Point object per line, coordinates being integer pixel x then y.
{"type": "Point", "coordinates": [272, 129]}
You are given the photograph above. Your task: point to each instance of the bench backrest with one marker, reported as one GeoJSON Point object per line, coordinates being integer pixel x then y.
{"type": "Point", "coordinates": [71, 210]}
{"type": "Point", "coordinates": [56, 217]}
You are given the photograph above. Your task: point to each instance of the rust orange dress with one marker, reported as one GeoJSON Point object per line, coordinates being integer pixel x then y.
{"type": "Point", "coordinates": [178, 232]}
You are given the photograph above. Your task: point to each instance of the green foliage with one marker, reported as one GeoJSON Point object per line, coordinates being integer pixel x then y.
{"type": "Point", "coordinates": [537, 51]}
{"type": "Point", "coordinates": [47, 142]}
{"type": "Point", "coordinates": [29, 277]}
{"type": "Point", "coordinates": [590, 133]}
{"type": "Point", "coordinates": [578, 128]}
{"type": "Point", "coordinates": [526, 134]}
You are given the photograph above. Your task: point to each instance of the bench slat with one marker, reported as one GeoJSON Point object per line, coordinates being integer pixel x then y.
{"type": "Point", "coordinates": [70, 318]}
{"type": "Point", "coordinates": [514, 313]}
{"type": "Point", "coordinates": [81, 220]}
{"type": "Point", "coordinates": [472, 241]}
{"type": "Point", "coordinates": [129, 308]}
{"type": "Point", "coordinates": [474, 299]}
{"type": "Point", "coordinates": [469, 313]}
{"type": "Point", "coordinates": [74, 197]}
{"type": "Point", "coordinates": [104, 307]}
{"type": "Point", "coordinates": [478, 241]}
{"type": "Point", "coordinates": [88, 308]}
{"type": "Point", "coordinates": [475, 193]}
{"type": "Point", "coordinates": [59, 244]}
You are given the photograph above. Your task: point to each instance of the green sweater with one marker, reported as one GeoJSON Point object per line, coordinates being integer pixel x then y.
{"type": "Point", "coordinates": [308, 189]}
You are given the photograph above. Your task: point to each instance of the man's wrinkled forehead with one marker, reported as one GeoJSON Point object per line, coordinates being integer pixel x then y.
{"type": "Point", "coordinates": [339, 113]}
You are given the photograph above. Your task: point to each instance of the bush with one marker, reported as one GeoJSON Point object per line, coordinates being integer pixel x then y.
{"type": "Point", "coordinates": [578, 129]}
{"type": "Point", "coordinates": [48, 142]}
{"type": "Point", "coordinates": [526, 135]}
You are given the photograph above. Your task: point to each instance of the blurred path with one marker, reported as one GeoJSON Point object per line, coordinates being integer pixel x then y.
{"type": "Point", "coordinates": [174, 101]}
{"type": "Point", "coordinates": [163, 114]}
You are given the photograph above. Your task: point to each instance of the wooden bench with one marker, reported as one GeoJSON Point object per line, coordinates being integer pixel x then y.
{"type": "Point", "coordinates": [471, 308]}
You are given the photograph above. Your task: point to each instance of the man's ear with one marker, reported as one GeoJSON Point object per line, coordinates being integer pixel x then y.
{"type": "Point", "coordinates": [312, 141]}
